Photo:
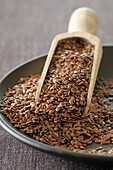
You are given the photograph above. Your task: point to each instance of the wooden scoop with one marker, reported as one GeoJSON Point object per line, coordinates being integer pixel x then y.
{"type": "Point", "coordinates": [83, 23]}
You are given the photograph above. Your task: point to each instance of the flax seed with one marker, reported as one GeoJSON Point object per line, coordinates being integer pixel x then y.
{"type": "Point", "coordinates": [56, 119]}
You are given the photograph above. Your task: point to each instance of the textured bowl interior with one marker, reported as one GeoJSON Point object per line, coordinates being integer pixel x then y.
{"type": "Point", "coordinates": [35, 66]}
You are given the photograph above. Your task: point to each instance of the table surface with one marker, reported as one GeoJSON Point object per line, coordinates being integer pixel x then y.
{"type": "Point", "coordinates": [27, 28]}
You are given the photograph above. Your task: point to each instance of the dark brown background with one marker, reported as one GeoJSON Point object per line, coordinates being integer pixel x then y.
{"type": "Point", "coordinates": [27, 28]}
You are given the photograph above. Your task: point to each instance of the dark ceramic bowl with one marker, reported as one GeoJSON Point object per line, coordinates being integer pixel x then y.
{"type": "Point", "coordinates": [35, 66]}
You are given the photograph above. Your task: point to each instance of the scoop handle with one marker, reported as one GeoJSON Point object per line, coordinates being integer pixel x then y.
{"type": "Point", "coordinates": [83, 19]}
